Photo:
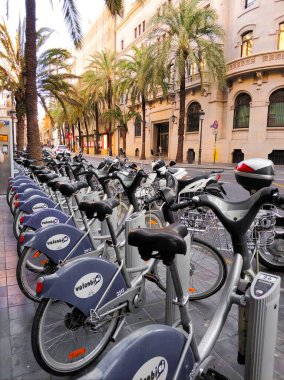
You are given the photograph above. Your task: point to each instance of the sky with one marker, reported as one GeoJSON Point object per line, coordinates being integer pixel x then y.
{"type": "Point", "coordinates": [52, 17]}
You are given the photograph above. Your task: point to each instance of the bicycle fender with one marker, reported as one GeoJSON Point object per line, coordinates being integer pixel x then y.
{"type": "Point", "coordinates": [151, 352]}
{"type": "Point", "coordinates": [46, 217]}
{"type": "Point", "coordinates": [83, 282]}
{"type": "Point", "coordinates": [57, 241]}
{"type": "Point", "coordinates": [24, 186]}
{"type": "Point", "coordinates": [35, 204]}
{"type": "Point", "coordinates": [31, 192]}
{"type": "Point", "coordinates": [20, 180]}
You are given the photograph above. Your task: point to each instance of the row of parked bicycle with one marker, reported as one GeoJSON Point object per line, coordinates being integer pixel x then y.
{"type": "Point", "coordinates": [77, 258]}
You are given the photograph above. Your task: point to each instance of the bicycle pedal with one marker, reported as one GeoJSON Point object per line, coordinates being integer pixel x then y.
{"type": "Point", "coordinates": [212, 374]}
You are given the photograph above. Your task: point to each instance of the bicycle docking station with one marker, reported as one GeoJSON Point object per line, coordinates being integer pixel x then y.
{"type": "Point", "coordinates": [263, 306]}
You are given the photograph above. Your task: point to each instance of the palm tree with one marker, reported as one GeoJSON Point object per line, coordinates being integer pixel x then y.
{"type": "Point", "coordinates": [122, 118]}
{"type": "Point", "coordinates": [72, 19]}
{"type": "Point", "coordinates": [105, 66]}
{"type": "Point", "coordinates": [142, 77]}
{"type": "Point", "coordinates": [11, 75]}
{"type": "Point", "coordinates": [193, 38]}
{"type": "Point", "coordinates": [92, 86]}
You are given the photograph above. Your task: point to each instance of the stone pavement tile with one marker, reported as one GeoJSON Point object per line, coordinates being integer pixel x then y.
{"type": "Point", "coordinates": [279, 363]}
{"type": "Point", "coordinates": [24, 312]}
{"type": "Point", "coordinates": [4, 315]}
{"type": "Point", "coordinates": [12, 264]}
{"type": "Point", "coordinates": [37, 375]}
{"type": "Point", "coordinates": [9, 259]}
{"type": "Point", "coordinates": [21, 342]}
{"type": "Point", "coordinates": [3, 282]}
{"type": "Point", "coordinates": [14, 289]}
{"type": "Point", "coordinates": [156, 310]}
{"type": "Point", "coordinates": [11, 272]}
{"type": "Point", "coordinates": [5, 359]}
{"type": "Point", "coordinates": [18, 299]}
{"type": "Point", "coordinates": [11, 280]}
{"type": "Point", "coordinates": [5, 329]}
{"type": "Point", "coordinates": [3, 291]}
{"type": "Point", "coordinates": [3, 273]}
{"type": "Point", "coordinates": [19, 326]}
{"type": "Point", "coordinates": [24, 363]}
{"type": "Point", "coordinates": [3, 302]}
{"type": "Point", "coordinates": [137, 317]}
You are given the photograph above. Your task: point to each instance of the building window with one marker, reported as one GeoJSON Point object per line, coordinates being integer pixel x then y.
{"type": "Point", "coordinates": [248, 3]}
{"type": "Point", "coordinates": [122, 44]}
{"type": "Point", "coordinates": [242, 111]}
{"type": "Point", "coordinates": [135, 33]}
{"type": "Point", "coordinates": [281, 37]}
{"type": "Point", "coordinates": [139, 29]}
{"type": "Point", "coordinates": [247, 44]}
{"type": "Point", "coordinates": [276, 109]}
{"type": "Point", "coordinates": [137, 126]}
{"type": "Point", "coordinates": [192, 122]}
{"type": "Point", "coordinates": [143, 26]}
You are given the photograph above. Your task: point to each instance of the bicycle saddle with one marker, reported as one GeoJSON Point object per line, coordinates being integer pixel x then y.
{"type": "Point", "coordinates": [37, 167]}
{"type": "Point", "coordinates": [168, 241]}
{"type": "Point", "coordinates": [70, 188]}
{"type": "Point", "coordinates": [102, 208]}
{"type": "Point", "coordinates": [43, 171]}
{"type": "Point", "coordinates": [47, 177]}
{"type": "Point", "coordinates": [53, 182]}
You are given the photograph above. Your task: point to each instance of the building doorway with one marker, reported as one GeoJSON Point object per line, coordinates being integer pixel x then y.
{"type": "Point", "coordinates": [161, 138]}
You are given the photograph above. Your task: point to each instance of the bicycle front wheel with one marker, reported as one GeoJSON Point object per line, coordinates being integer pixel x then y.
{"type": "Point", "coordinates": [63, 340]}
{"type": "Point", "coordinates": [272, 256]}
{"type": "Point", "coordinates": [208, 270]}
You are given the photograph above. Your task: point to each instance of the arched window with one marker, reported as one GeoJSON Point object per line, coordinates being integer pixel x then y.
{"type": "Point", "coordinates": [241, 111]}
{"type": "Point", "coordinates": [281, 37]}
{"type": "Point", "coordinates": [247, 44]}
{"type": "Point", "coordinates": [192, 122]}
{"type": "Point", "coordinates": [137, 126]}
{"type": "Point", "coordinates": [276, 109]}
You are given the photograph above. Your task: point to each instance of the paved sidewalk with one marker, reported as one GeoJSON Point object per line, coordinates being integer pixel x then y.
{"type": "Point", "coordinates": [16, 316]}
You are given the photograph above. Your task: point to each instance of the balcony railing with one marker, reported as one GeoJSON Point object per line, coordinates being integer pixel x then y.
{"type": "Point", "coordinates": [263, 61]}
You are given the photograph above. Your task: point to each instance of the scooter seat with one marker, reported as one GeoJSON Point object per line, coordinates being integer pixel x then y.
{"type": "Point", "coordinates": [70, 188]}
{"type": "Point", "coordinates": [53, 182]}
{"type": "Point", "coordinates": [47, 177]}
{"type": "Point", "coordinates": [167, 241]}
{"type": "Point", "coordinates": [101, 208]}
{"type": "Point", "coordinates": [187, 181]}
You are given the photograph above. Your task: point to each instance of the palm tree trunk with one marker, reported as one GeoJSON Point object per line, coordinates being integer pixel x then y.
{"type": "Point", "coordinates": [20, 126]}
{"type": "Point", "coordinates": [73, 138]}
{"type": "Point", "coordinates": [34, 147]}
{"type": "Point", "coordinates": [179, 156]}
{"type": "Point", "coordinates": [124, 139]}
{"type": "Point", "coordinates": [80, 134]}
{"type": "Point", "coordinates": [143, 128]}
{"type": "Point", "coordinates": [96, 142]}
{"type": "Point", "coordinates": [109, 96]}
{"type": "Point", "coordinates": [87, 134]}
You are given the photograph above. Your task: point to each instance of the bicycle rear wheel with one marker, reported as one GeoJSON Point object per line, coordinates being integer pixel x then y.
{"type": "Point", "coordinates": [63, 339]}
{"type": "Point", "coordinates": [208, 270]}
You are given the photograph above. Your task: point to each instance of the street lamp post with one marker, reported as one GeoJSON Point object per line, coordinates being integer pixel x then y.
{"type": "Point", "coordinates": [201, 118]}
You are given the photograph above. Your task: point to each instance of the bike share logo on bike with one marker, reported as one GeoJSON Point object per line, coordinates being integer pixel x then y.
{"type": "Point", "coordinates": [88, 285]}
{"type": "Point", "coordinates": [58, 242]}
{"type": "Point", "coordinates": [50, 220]}
{"type": "Point", "coordinates": [154, 369]}
{"type": "Point", "coordinates": [39, 206]}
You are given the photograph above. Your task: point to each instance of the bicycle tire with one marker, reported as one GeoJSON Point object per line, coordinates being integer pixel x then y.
{"type": "Point", "coordinates": [208, 270]}
{"type": "Point", "coordinates": [20, 247]}
{"type": "Point", "coordinates": [54, 360]}
{"type": "Point", "coordinates": [16, 222]}
{"type": "Point", "coordinates": [28, 273]}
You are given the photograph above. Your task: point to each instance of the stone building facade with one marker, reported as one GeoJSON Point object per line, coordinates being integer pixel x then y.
{"type": "Point", "coordinates": [247, 118]}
